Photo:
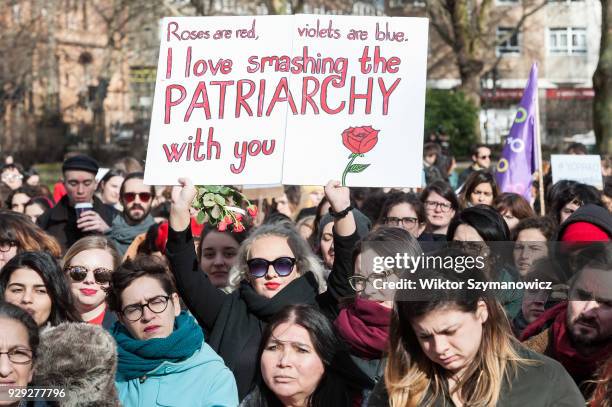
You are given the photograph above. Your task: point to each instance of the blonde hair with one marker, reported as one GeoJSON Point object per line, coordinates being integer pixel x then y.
{"type": "Point", "coordinates": [91, 243]}
{"type": "Point", "coordinates": [305, 258]}
{"type": "Point", "coordinates": [412, 379]}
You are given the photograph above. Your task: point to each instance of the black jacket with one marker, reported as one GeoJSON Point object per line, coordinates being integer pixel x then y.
{"type": "Point", "coordinates": [60, 221]}
{"type": "Point", "coordinates": [543, 384]}
{"type": "Point", "coordinates": [234, 322]}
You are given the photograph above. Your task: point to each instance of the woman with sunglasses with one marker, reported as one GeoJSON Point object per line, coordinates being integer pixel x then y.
{"type": "Point", "coordinates": [88, 264]}
{"type": "Point", "coordinates": [163, 359]}
{"type": "Point", "coordinates": [34, 281]}
{"type": "Point", "coordinates": [18, 345]}
{"type": "Point", "coordinates": [276, 268]}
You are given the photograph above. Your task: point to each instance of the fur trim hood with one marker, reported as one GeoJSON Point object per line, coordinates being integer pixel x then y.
{"type": "Point", "coordinates": [82, 359]}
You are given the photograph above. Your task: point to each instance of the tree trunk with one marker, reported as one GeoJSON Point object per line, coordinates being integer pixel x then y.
{"type": "Point", "coordinates": [602, 84]}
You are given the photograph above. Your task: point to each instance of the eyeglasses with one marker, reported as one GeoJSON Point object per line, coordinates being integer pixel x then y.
{"type": "Point", "coordinates": [484, 157]}
{"type": "Point", "coordinates": [444, 207]}
{"type": "Point", "coordinates": [79, 273]}
{"type": "Point", "coordinates": [407, 221]}
{"type": "Point", "coordinates": [11, 177]}
{"type": "Point", "coordinates": [156, 305]}
{"type": "Point", "coordinates": [359, 283]}
{"type": "Point", "coordinates": [143, 196]}
{"type": "Point", "coordinates": [6, 245]}
{"type": "Point", "coordinates": [282, 265]}
{"type": "Point", "coordinates": [20, 356]}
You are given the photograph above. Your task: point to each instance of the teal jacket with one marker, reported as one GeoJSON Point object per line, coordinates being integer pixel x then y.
{"type": "Point", "coordinates": [202, 380]}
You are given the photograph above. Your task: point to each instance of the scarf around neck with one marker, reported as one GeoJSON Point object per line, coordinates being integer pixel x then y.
{"type": "Point", "coordinates": [364, 325]}
{"type": "Point", "coordinates": [123, 233]}
{"type": "Point", "coordinates": [561, 347]}
{"type": "Point", "coordinates": [137, 357]}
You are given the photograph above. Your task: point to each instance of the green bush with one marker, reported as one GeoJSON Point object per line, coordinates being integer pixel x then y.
{"type": "Point", "coordinates": [451, 111]}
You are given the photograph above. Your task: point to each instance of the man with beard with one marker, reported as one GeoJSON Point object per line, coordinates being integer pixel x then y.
{"type": "Point", "coordinates": [578, 332]}
{"type": "Point", "coordinates": [136, 198]}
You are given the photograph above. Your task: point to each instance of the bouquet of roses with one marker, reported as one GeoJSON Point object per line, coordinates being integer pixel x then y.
{"type": "Point", "coordinates": [221, 206]}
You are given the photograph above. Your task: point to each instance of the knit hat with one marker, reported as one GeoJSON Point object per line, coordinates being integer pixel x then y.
{"type": "Point", "coordinates": [584, 232]}
{"type": "Point", "coordinates": [81, 162]}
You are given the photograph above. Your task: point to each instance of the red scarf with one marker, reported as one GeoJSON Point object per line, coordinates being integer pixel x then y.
{"type": "Point", "coordinates": [364, 325]}
{"type": "Point", "coordinates": [580, 367]}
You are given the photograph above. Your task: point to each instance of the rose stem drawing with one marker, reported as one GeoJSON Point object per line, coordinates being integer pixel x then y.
{"type": "Point", "coordinates": [359, 140]}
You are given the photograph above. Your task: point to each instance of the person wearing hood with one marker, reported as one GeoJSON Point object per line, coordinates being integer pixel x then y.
{"type": "Point", "coordinates": [276, 268]}
{"type": "Point", "coordinates": [81, 359]}
{"type": "Point", "coordinates": [162, 357]}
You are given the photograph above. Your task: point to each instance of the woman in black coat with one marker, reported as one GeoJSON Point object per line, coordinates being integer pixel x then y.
{"type": "Point", "coordinates": [276, 268]}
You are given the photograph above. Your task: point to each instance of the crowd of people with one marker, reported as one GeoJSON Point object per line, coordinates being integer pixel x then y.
{"type": "Point", "coordinates": [111, 290]}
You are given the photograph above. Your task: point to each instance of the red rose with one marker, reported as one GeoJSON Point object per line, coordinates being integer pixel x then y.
{"type": "Point", "coordinates": [252, 209]}
{"type": "Point", "coordinates": [222, 226]}
{"type": "Point", "coordinates": [360, 140]}
{"type": "Point", "coordinates": [238, 227]}
{"type": "Point", "coordinates": [238, 217]}
{"type": "Point", "coordinates": [227, 219]}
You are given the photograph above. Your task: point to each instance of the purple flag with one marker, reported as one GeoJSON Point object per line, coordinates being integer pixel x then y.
{"type": "Point", "coordinates": [517, 165]}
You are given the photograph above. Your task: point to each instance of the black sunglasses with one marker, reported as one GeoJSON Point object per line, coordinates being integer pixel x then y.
{"type": "Point", "coordinates": [79, 273]}
{"type": "Point", "coordinates": [259, 267]}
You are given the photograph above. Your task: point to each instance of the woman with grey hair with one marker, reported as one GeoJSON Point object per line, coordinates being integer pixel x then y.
{"type": "Point", "coordinates": [276, 268]}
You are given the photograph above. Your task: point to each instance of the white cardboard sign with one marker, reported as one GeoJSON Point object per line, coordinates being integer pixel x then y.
{"type": "Point", "coordinates": [289, 99]}
{"type": "Point", "coordinates": [581, 168]}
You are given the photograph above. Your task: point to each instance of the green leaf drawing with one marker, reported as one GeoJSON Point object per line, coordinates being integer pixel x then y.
{"type": "Point", "coordinates": [358, 167]}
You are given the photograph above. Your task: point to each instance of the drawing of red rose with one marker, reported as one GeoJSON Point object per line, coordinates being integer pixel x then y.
{"type": "Point", "coordinates": [360, 140]}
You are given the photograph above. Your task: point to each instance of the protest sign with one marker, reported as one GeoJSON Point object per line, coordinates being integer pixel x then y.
{"type": "Point", "coordinates": [581, 168]}
{"type": "Point", "coordinates": [366, 124]}
{"type": "Point", "coordinates": [246, 100]}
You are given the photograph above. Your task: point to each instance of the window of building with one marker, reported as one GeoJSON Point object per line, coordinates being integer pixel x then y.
{"type": "Point", "coordinates": [567, 41]}
{"type": "Point", "coordinates": [510, 42]}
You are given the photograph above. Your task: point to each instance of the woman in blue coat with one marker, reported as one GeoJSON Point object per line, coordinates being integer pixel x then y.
{"type": "Point", "coordinates": [162, 357]}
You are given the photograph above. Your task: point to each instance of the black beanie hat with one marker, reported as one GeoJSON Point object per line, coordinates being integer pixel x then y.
{"type": "Point", "coordinates": [81, 162]}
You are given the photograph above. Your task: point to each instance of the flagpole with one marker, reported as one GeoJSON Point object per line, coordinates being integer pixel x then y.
{"type": "Point", "coordinates": [539, 152]}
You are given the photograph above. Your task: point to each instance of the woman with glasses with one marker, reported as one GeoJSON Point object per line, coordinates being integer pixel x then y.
{"type": "Point", "coordinates": [275, 268]}
{"type": "Point", "coordinates": [480, 188]}
{"type": "Point", "coordinates": [481, 231]}
{"type": "Point", "coordinates": [34, 282]}
{"type": "Point", "coordinates": [88, 264]}
{"type": "Point", "coordinates": [363, 323]}
{"type": "Point", "coordinates": [441, 205]}
{"type": "Point", "coordinates": [406, 211]}
{"type": "Point", "coordinates": [162, 357]}
{"type": "Point", "coordinates": [18, 345]}
{"type": "Point", "coordinates": [18, 234]}
{"type": "Point", "coordinates": [456, 348]}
